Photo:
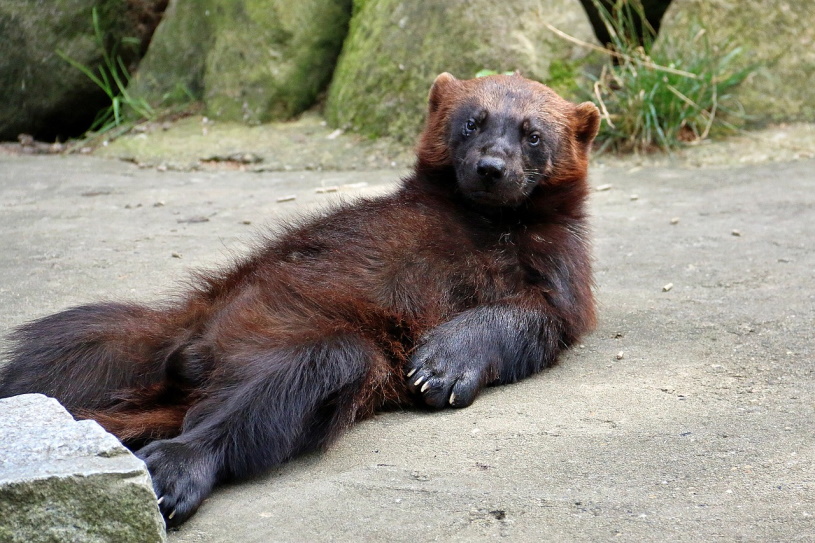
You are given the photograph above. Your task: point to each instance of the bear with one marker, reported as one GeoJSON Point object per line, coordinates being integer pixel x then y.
{"type": "Point", "coordinates": [476, 271]}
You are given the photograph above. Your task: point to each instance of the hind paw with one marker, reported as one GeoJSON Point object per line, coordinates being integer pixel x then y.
{"type": "Point", "coordinates": [183, 476]}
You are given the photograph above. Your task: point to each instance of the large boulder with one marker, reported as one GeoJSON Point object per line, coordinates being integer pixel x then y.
{"type": "Point", "coordinates": [777, 36]}
{"type": "Point", "coordinates": [43, 94]}
{"type": "Point", "coordinates": [395, 48]}
{"type": "Point", "coordinates": [248, 60]}
{"type": "Point", "coordinates": [63, 480]}
{"type": "Point", "coordinates": [172, 70]}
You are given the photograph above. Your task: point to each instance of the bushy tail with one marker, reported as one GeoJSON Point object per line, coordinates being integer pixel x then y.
{"type": "Point", "coordinates": [103, 361]}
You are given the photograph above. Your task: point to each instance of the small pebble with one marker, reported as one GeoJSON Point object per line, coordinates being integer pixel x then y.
{"type": "Point", "coordinates": [735, 233]}
{"type": "Point", "coordinates": [675, 220]}
{"type": "Point", "coordinates": [193, 220]}
{"type": "Point", "coordinates": [603, 188]}
{"type": "Point", "coordinates": [323, 190]}
{"type": "Point", "coordinates": [288, 198]}
{"type": "Point", "coordinates": [667, 287]}
{"type": "Point", "coordinates": [620, 355]}
{"type": "Point", "coordinates": [635, 197]}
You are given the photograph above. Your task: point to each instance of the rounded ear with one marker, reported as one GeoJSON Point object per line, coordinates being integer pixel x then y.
{"type": "Point", "coordinates": [586, 123]}
{"type": "Point", "coordinates": [443, 83]}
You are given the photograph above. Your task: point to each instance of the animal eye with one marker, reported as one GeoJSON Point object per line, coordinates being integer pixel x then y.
{"type": "Point", "coordinates": [534, 140]}
{"type": "Point", "coordinates": [469, 127]}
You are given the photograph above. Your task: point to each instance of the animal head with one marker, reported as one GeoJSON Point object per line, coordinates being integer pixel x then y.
{"type": "Point", "coordinates": [505, 136]}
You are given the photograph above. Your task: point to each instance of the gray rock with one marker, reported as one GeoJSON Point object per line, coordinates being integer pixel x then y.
{"type": "Point", "coordinates": [248, 60]}
{"type": "Point", "coordinates": [172, 70]}
{"type": "Point", "coordinates": [63, 480]}
{"type": "Point", "coordinates": [777, 36]}
{"type": "Point", "coordinates": [44, 95]}
{"type": "Point", "coordinates": [395, 49]}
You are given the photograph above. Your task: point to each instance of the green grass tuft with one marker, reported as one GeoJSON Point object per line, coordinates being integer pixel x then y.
{"type": "Point", "coordinates": [662, 98]}
{"type": "Point", "coordinates": [112, 76]}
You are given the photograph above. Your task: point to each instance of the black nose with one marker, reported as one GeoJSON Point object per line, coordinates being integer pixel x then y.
{"type": "Point", "coordinates": [490, 168]}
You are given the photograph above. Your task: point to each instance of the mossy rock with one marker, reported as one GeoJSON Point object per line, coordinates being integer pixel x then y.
{"type": "Point", "coordinates": [44, 95]}
{"type": "Point", "coordinates": [249, 60]}
{"type": "Point", "coordinates": [395, 48]}
{"type": "Point", "coordinates": [777, 37]}
{"type": "Point", "coordinates": [172, 70]}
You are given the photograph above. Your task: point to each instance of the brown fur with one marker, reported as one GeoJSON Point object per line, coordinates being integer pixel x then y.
{"type": "Point", "coordinates": [475, 272]}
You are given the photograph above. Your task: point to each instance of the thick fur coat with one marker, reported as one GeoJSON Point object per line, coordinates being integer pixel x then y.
{"type": "Point", "coordinates": [476, 271]}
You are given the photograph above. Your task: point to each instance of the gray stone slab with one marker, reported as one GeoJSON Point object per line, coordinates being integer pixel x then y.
{"type": "Point", "coordinates": [63, 480]}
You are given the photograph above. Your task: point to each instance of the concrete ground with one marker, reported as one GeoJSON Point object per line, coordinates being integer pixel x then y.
{"type": "Point", "coordinates": [689, 415]}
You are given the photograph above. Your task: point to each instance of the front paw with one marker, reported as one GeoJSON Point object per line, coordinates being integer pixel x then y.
{"type": "Point", "coordinates": [182, 475]}
{"type": "Point", "coordinates": [450, 369]}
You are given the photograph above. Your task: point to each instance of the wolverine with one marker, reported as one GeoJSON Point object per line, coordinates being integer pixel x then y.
{"type": "Point", "coordinates": [476, 271]}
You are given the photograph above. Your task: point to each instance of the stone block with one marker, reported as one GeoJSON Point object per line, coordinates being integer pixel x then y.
{"type": "Point", "coordinates": [63, 480]}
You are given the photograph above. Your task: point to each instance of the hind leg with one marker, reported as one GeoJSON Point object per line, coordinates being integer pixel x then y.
{"type": "Point", "coordinates": [268, 408]}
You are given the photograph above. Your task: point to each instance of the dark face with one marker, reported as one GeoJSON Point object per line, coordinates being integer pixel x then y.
{"type": "Point", "coordinates": [501, 147]}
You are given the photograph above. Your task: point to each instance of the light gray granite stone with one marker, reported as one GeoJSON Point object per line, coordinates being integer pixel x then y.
{"type": "Point", "coordinates": [63, 480]}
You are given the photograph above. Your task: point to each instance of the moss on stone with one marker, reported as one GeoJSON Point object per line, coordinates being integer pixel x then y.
{"type": "Point", "coordinates": [395, 49]}
{"type": "Point", "coordinates": [98, 508]}
{"type": "Point", "coordinates": [252, 60]}
{"type": "Point", "coordinates": [777, 36]}
{"type": "Point", "coordinates": [42, 93]}
{"type": "Point", "coordinates": [172, 71]}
